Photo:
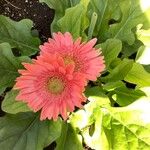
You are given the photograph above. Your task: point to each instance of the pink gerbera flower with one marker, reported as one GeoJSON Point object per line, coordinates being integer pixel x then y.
{"type": "Point", "coordinates": [51, 86]}
{"type": "Point", "coordinates": [87, 60]}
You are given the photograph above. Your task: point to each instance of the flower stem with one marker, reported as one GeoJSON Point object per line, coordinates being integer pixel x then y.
{"type": "Point", "coordinates": [92, 25]}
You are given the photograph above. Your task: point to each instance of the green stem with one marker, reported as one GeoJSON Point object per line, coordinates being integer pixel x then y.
{"type": "Point", "coordinates": [92, 25]}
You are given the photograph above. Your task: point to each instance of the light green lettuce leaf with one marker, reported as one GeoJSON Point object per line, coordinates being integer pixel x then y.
{"type": "Point", "coordinates": [138, 75]}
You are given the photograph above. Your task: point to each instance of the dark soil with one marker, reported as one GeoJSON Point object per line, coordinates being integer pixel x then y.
{"type": "Point", "coordinates": [39, 13]}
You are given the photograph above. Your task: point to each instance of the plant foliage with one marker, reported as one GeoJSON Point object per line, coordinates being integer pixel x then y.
{"type": "Point", "coordinates": [116, 116]}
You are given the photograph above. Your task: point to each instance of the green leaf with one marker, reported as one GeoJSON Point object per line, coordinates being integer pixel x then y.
{"type": "Point", "coordinates": [106, 11]}
{"type": "Point", "coordinates": [75, 20]}
{"type": "Point", "coordinates": [10, 105]}
{"type": "Point", "coordinates": [132, 15]}
{"type": "Point", "coordinates": [96, 97]}
{"type": "Point", "coordinates": [69, 139]}
{"type": "Point", "coordinates": [119, 72]}
{"type": "Point", "coordinates": [115, 128]}
{"type": "Point", "coordinates": [59, 6]}
{"type": "Point", "coordinates": [129, 50]}
{"type": "Point", "coordinates": [147, 68]}
{"type": "Point", "coordinates": [74, 2]}
{"type": "Point", "coordinates": [124, 96]}
{"type": "Point", "coordinates": [110, 49]}
{"type": "Point", "coordinates": [110, 86]}
{"type": "Point", "coordinates": [18, 35]}
{"type": "Point", "coordinates": [24, 131]}
{"type": "Point", "coordinates": [9, 65]}
{"type": "Point", "coordinates": [128, 127]}
{"type": "Point", "coordinates": [138, 75]}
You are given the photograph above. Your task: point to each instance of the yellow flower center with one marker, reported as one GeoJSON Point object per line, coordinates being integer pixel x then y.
{"type": "Point", "coordinates": [55, 85]}
{"type": "Point", "coordinates": [71, 60]}
{"type": "Point", "coordinates": [68, 60]}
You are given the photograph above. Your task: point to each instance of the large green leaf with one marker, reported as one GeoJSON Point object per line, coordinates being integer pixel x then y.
{"type": "Point", "coordinates": [132, 15]}
{"type": "Point", "coordinates": [10, 105]}
{"type": "Point", "coordinates": [138, 75]}
{"type": "Point", "coordinates": [75, 20]}
{"type": "Point", "coordinates": [24, 131]}
{"type": "Point", "coordinates": [128, 128]}
{"type": "Point", "coordinates": [69, 139]}
{"type": "Point", "coordinates": [9, 65]}
{"type": "Point", "coordinates": [110, 49]}
{"type": "Point", "coordinates": [18, 35]}
{"type": "Point", "coordinates": [59, 6]}
{"type": "Point", "coordinates": [106, 127]}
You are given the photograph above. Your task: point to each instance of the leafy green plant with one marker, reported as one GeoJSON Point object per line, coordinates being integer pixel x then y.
{"type": "Point", "coordinates": [116, 115]}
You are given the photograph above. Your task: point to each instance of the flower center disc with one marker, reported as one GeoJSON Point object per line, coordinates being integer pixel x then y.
{"type": "Point", "coordinates": [68, 60]}
{"type": "Point", "coordinates": [55, 85]}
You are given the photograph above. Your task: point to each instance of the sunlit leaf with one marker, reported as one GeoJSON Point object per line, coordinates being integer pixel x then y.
{"type": "Point", "coordinates": [128, 127]}
{"type": "Point", "coordinates": [110, 86]}
{"type": "Point", "coordinates": [94, 135]}
{"type": "Point", "coordinates": [138, 75]}
{"type": "Point", "coordinates": [124, 96]}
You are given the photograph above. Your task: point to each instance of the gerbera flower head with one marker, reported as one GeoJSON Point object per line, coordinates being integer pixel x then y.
{"type": "Point", "coordinates": [84, 56]}
{"type": "Point", "coordinates": [51, 86]}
